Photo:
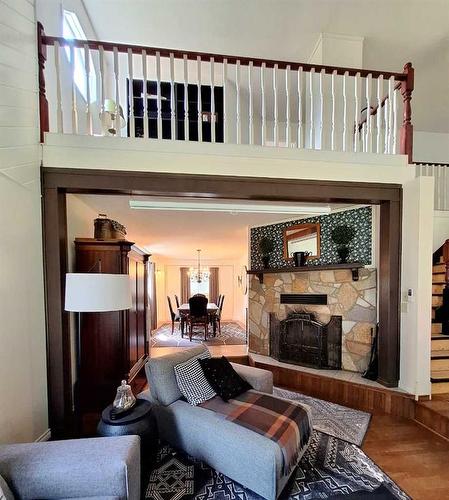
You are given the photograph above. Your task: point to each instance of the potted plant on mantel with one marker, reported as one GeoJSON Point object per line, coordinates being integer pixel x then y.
{"type": "Point", "coordinates": [342, 237]}
{"type": "Point", "coordinates": [266, 246]}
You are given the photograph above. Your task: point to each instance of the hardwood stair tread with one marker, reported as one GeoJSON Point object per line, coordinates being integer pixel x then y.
{"type": "Point", "coordinates": [437, 376]}
{"type": "Point", "coordinates": [439, 336]}
{"type": "Point", "coordinates": [440, 354]}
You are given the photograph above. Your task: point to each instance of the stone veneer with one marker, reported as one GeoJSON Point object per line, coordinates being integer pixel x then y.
{"type": "Point", "coordinates": [355, 301]}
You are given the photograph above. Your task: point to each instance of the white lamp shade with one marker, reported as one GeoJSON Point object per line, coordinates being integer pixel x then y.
{"type": "Point", "coordinates": [95, 292]}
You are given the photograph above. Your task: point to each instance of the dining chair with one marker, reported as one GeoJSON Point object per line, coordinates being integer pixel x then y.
{"type": "Point", "coordinates": [177, 301]}
{"type": "Point", "coordinates": [198, 314]}
{"type": "Point", "coordinates": [219, 312]}
{"type": "Point", "coordinates": [174, 316]}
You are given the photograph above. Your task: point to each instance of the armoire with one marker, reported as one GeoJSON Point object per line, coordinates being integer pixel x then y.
{"type": "Point", "coordinates": [112, 345]}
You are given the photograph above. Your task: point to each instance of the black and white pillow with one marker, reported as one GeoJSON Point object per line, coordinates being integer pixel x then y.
{"type": "Point", "coordinates": [191, 380]}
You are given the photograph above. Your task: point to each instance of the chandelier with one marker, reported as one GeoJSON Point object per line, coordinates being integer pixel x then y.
{"type": "Point", "coordinates": [200, 273]}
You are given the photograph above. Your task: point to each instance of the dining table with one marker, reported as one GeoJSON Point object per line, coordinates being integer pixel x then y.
{"type": "Point", "coordinates": [184, 309]}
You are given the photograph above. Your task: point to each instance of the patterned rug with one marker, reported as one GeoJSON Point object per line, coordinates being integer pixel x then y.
{"type": "Point", "coordinates": [335, 420]}
{"type": "Point", "coordinates": [329, 467]}
{"type": "Point", "coordinates": [231, 334]}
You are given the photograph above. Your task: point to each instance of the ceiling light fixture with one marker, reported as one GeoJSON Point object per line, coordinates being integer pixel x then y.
{"type": "Point", "coordinates": [232, 208]}
{"type": "Point", "coordinates": [200, 273]}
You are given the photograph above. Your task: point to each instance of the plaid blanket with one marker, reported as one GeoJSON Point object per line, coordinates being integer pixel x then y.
{"type": "Point", "coordinates": [285, 422]}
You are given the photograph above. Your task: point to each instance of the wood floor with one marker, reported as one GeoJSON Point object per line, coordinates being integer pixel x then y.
{"type": "Point", "coordinates": [414, 457]}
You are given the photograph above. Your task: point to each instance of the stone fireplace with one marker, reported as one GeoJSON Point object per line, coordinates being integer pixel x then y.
{"type": "Point", "coordinates": [354, 302]}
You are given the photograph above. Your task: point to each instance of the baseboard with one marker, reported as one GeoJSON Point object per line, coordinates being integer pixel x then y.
{"type": "Point", "coordinates": [46, 436]}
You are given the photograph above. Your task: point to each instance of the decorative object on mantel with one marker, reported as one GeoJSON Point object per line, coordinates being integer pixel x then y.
{"type": "Point", "coordinates": [353, 266]}
{"type": "Point", "coordinates": [300, 258]}
{"type": "Point", "coordinates": [124, 401]}
{"type": "Point", "coordinates": [266, 246]}
{"type": "Point", "coordinates": [108, 229]}
{"type": "Point", "coordinates": [342, 237]}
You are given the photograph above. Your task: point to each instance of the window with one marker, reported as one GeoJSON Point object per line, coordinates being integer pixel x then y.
{"type": "Point", "coordinates": [202, 287]}
{"type": "Point", "coordinates": [71, 29]}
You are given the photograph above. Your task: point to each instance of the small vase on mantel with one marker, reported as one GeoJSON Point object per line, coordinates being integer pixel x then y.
{"type": "Point", "coordinates": [266, 261]}
{"type": "Point", "coordinates": [343, 254]}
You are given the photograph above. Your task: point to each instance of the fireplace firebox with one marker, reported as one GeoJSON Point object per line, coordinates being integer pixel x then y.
{"type": "Point", "coordinates": [302, 340]}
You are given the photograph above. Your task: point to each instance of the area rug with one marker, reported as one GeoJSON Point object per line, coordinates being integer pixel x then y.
{"type": "Point", "coordinates": [335, 420]}
{"type": "Point", "coordinates": [231, 334]}
{"type": "Point", "coordinates": [329, 467]}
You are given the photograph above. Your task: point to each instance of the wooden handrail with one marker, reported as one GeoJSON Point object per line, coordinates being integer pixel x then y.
{"type": "Point", "coordinates": [218, 58]}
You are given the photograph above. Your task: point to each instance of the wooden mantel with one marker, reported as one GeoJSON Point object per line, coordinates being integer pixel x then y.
{"type": "Point", "coordinates": [352, 266]}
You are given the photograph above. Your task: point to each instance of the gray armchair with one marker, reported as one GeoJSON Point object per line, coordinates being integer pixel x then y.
{"type": "Point", "coordinates": [106, 468]}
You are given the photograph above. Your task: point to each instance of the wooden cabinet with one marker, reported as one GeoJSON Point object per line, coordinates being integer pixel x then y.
{"type": "Point", "coordinates": [113, 345]}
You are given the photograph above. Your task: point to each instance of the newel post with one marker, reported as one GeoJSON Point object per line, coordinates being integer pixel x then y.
{"type": "Point", "coordinates": [407, 128]}
{"type": "Point", "coordinates": [43, 103]}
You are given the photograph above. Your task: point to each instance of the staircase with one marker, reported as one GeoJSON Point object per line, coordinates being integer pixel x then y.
{"type": "Point", "coordinates": [440, 342]}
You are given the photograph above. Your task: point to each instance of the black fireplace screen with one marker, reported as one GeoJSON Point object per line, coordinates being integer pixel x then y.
{"type": "Point", "coordinates": [302, 340]}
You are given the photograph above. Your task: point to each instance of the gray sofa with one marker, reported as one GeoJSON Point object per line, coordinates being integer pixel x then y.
{"type": "Point", "coordinates": [94, 469]}
{"type": "Point", "coordinates": [249, 458]}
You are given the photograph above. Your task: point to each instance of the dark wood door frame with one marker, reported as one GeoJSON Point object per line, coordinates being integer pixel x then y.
{"type": "Point", "coordinates": [56, 183]}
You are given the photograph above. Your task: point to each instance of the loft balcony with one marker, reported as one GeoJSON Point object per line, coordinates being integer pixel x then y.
{"type": "Point", "coordinates": [170, 97]}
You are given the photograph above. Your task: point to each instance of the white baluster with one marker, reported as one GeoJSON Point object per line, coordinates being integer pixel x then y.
{"type": "Point", "coordinates": [320, 131]}
{"type": "Point", "coordinates": [117, 91]}
{"type": "Point", "coordinates": [380, 81]}
{"type": "Point", "coordinates": [132, 132]}
{"type": "Point", "coordinates": [275, 95]}
{"type": "Point", "coordinates": [212, 98]}
{"type": "Point", "coordinates": [199, 104]}
{"type": "Point", "coordinates": [395, 120]}
{"type": "Point", "coordinates": [102, 75]}
{"type": "Point", "coordinates": [287, 104]}
{"type": "Point", "coordinates": [386, 117]}
{"type": "Point", "coordinates": [262, 92]}
{"type": "Point", "coordinates": [74, 106]}
{"type": "Point", "coordinates": [159, 96]}
{"type": "Point", "coordinates": [225, 88]}
{"type": "Point", "coordinates": [186, 97]}
{"type": "Point", "coordinates": [333, 111]}
{"type": "Point", "coordinates": [390, 114]}
{"type": "Point", "coordinates": [299, 138]}
{"type": "Point", "coordinates": [59, 115]}
{"type": "Point", "coordinates": [172, 98]}
{"type": "Point", "coordinates": [356, 111]}
{"type": "Point", "coordinates": [369, 134]}
{"type": "Point", "coordinates": [237, 84]}
{"type": "Point", "coordinates": [145, 94]}
{"type": "Point", "coordinates": [345, 112]}
{"type": "Point", "coordinates": [311, 124]}
{"type": "Point", "coordinates": [363, 135]}
{"type": "Point", "coordinates": [250, 95]}
{"type": "Point", "coordinates": [87, 76]}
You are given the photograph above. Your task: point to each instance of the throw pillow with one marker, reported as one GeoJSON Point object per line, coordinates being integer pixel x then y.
{"type": "Point", "coordinates": [191, 380]}
{"type": "Point", "coordinates": [225, 381]}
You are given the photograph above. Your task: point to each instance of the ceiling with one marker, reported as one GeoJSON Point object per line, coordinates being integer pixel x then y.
{"type": "Point", "coordinates": [394, 31]}
{"type": "Point", "coordinates": [177, 234]}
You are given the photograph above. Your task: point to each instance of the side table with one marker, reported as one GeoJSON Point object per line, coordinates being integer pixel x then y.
{"type": "Point", "coordinates": [140, 421]}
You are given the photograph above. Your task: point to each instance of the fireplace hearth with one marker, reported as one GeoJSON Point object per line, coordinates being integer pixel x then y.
{"type": "Point", "coordinates": [302, 340]}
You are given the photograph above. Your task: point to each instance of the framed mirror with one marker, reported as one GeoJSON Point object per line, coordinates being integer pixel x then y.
{"type": "Point", "coordinates": [302, 238]}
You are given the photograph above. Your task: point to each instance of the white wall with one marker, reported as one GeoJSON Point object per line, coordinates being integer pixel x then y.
{"type": "Point", "coordinates": [23, 378]}
{"type": "Point", "coordinates": [416, 315]}
{"type": "Point", "coordinates": [80, 224]}
{"type": "Point", "coordinates": [430, 147]}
